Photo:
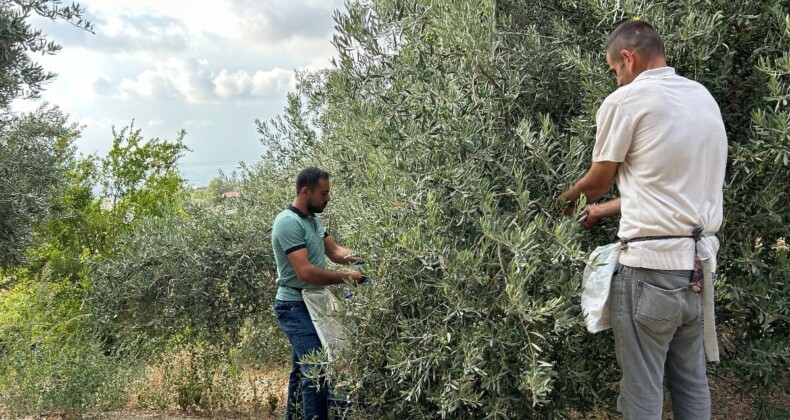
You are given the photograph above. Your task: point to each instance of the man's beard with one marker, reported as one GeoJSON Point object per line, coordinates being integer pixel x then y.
{"type": "Point", "coordinates": [316, 208]}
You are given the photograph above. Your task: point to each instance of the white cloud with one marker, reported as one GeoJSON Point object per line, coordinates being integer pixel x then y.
{"type": "Point", "coordinates": [228, 85]}
{"type": "Point", "coordinates": [102, 85]}
{"type": "Point", "coordinates": [192, 82]}
{"type": "Point", "coordinates": [210, 67]}
{"type": "Point", "coordinates": [148, 84]}
{"type": "Point", "coordinates": [275, 21]}
{"type": "Point", "coordinates": [188, 80]}
{"type": "Point", "coordinates": [262, 84]}
{"type": "Point", "coordinates": [214, 17]}
{"type": "Point", "coordinates": [191, 77]}
{"type": "Point", "coordinates": [273, 83]}
{"type": "Point", "coordinates": [130, 33]}
{"type": "Point", "coordinates": [175, 51]}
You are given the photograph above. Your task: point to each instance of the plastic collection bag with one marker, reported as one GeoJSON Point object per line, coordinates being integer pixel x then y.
{"type": "Point", "coordinates": [321, 304]}
{"type": "Point", "coordinates": [601, 266]}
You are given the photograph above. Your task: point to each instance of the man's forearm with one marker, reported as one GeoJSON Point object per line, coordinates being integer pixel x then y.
{"type": "Point", "coordinates": [594, 184]}
{"type": "Point", "coordinates": [594, 213]}
{"type": "Point", "coordinates": [608, 208]}
{"type": "Point", "coordinates": [322, 277]}
{"type": "Point", "coordinates": [344, 256]}
{"type": "Point", "coordinates": [584, 186]}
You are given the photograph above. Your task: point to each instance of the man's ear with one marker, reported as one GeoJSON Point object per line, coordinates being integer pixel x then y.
{"type": "Point", "coordinates": [628, 59]}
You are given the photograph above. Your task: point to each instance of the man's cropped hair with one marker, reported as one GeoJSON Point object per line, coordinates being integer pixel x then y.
{"type": "Point", "coordinates": [635, 35]}
{"type": "Point", "coordinates": [309, 177]}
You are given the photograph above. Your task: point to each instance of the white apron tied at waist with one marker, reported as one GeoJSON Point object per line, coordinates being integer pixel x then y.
{"type": "Point", "coordinates": [707, 248]}
{"type": "Point", "coordinates": [603, 263]}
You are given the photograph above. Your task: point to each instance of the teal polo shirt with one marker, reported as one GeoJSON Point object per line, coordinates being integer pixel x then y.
{"type": "Point", "coordinates": [293, 230]}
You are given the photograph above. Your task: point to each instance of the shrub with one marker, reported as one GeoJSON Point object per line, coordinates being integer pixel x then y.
{"type": "Point", "coordinates": [51, 361]}
{"type": "Point", "coordinates": [195, 277]}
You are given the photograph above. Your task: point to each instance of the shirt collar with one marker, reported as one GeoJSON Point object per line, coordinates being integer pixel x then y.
{"type": "Point", "coordinates": [659, 72]}
{"type": "Point", "coordinates": [298, 212]}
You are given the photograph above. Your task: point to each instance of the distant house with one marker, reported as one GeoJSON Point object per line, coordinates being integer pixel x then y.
{"type": "Point", "coordinates": [231, 194]}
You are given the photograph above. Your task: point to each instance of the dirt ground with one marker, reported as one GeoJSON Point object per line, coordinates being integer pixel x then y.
{"type": "Point", "coordinates": [727, 402]}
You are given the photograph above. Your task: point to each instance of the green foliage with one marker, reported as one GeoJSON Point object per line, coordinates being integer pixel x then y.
{"type": "Point", "coordinates": [477, 303]}
{"type": "Point", "coordinates": [34, 146]}
{"type": "Point", "coordinates": [197, 275]}
{"type": "Point", "coordinates": [20, 76]}
{"type": "Point", "coordinates": [139, 177]}
{"type": "Point", "coordinates": [59, 351]}
{"type": "Point", "coordinates": [449, 128]}
{"type": "Point", "coordinates": [213, 192]}
{"type": "Point", "coordinates": [34, 151]}
{"type": "Point", "coordinates": [50, 359]}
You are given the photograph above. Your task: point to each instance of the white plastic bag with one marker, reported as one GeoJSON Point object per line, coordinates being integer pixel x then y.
{"type": "Point", "coordinates": [321, 304]}
{"type": "Point", "coordinates": [597, 280]}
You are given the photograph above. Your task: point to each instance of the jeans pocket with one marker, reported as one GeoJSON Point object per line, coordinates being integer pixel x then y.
{"type": "Point", "coordinates": [658, 309]}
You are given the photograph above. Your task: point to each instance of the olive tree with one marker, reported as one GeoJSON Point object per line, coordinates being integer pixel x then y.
{"type": "Point", "coordinates": [33, 146]}
{"type": "Point", "coordinates": [451, 127]}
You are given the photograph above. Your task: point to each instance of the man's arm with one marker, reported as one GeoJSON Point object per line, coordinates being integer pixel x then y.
{"type": "Point", "coordinates": [593, 213]}
{"type": "Point", "coordinates": [338, 254]}
{"type": "Point", "coordinates": [594, 184]}
{"type": "Point", "coordinates": [313, 274]}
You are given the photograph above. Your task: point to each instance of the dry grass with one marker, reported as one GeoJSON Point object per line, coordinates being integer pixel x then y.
{"type": "Point", "coordinates": [252, 393]}
{"type": "Point", "coordinates": [728, 401]}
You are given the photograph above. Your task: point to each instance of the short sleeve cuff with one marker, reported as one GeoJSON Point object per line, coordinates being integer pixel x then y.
{"type": "Point", "coordinates": [295, 248]}
{"type": "Point", "coordinates": [604, 158]}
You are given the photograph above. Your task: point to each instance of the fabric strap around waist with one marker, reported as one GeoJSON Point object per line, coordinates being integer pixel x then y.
{"type": "Point", "coordinates": [696, 234]}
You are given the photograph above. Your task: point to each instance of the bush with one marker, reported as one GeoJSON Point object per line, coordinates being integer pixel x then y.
{"type": "Point", "coordinates": [196, 277]}
{"type": "Point", "coordinates": [51, 362]}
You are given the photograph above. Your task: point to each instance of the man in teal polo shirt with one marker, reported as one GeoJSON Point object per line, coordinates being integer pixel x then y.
{"type": "Point", "coordinates": [301, 244]}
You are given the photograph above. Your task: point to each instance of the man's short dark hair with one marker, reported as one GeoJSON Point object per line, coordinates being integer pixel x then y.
{"type": "Point", "coordinates": [309, 177]}
{"type": "Point", "coordinates": [635, 35]}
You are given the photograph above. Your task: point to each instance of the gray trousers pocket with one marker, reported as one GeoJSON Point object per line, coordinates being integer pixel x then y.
{"type": "Point", "coordinates": [658, 309]}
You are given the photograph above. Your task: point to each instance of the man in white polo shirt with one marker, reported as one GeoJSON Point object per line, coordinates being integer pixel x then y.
{"type": "Point", "coordinates": [662, 138]}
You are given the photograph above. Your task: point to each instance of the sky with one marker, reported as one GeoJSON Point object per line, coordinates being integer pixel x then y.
{"type": "Point", "coordinates": [209, 67]}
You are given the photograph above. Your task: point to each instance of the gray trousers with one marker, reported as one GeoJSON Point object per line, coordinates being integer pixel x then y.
{"type": "Point", "coordinates": [657, 326]}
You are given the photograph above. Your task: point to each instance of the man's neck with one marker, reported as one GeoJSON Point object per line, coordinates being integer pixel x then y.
{"type": "Point", "coordinates": [656, 63]}
{"type": "Point", "coordinates": [301, 206]}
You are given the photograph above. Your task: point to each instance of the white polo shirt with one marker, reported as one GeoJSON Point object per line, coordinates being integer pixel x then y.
{"type": "Point", "coordinates": [669, 136]}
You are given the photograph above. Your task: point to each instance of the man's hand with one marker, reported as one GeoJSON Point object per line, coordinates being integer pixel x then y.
{"type": "Point", "coordinates": [592, 214]}
{"type": "Point", "coordinates": [589, 216]}
{"type": "Point", "coordinates": [356, 276]}
{"type": "Point", "coordinates": [566, 203]}
{"type": "Point", "coordinates": [308, 272]}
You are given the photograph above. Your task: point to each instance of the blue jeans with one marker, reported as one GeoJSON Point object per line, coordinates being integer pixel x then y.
{"type": "Point", "coordinates": [657, 326]}
{"type": "Point", "coordinates": [294, 320]}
